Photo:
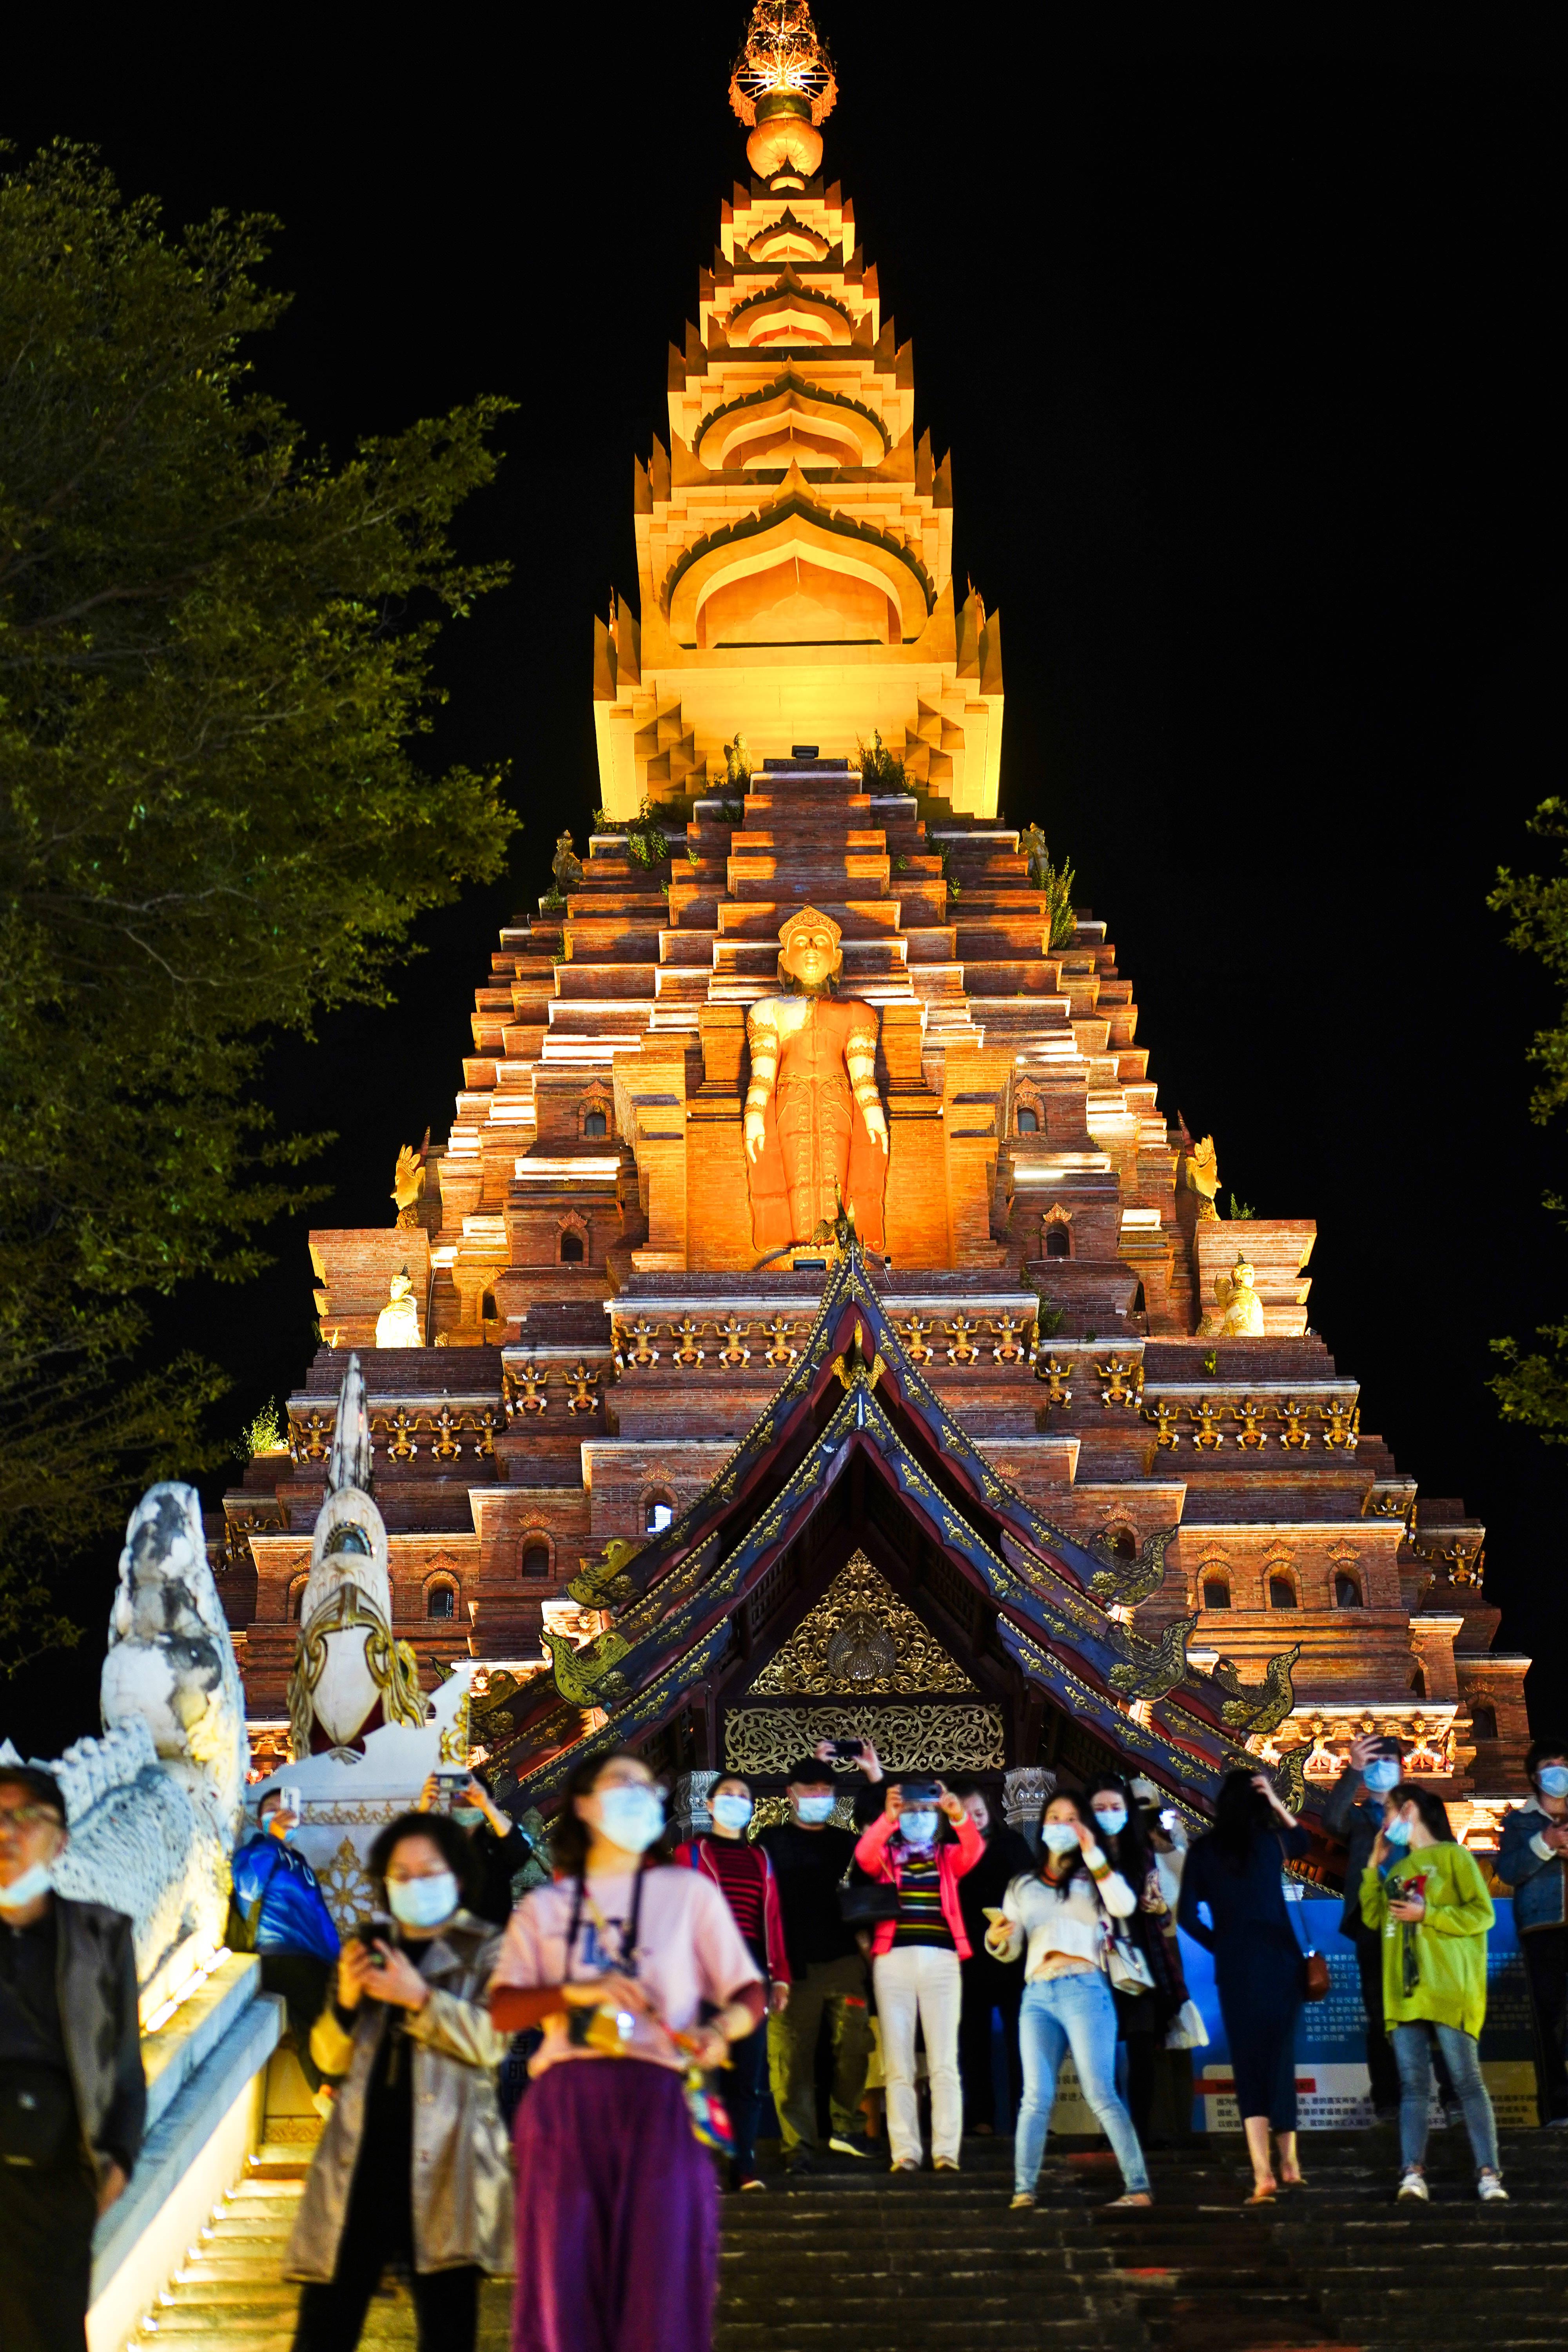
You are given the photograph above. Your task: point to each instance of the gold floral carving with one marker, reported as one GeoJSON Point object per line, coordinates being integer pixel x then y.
{"type": "Point", "coordinates": [769, 1739]}
{"type": "Point", "coordinates": [843, 1644]}
{"type": "Point", "coordinates": [348, 1887]}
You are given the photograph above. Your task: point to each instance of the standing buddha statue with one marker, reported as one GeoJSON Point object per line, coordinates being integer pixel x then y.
{"type": "Point", "coordinates": [816, 1133]}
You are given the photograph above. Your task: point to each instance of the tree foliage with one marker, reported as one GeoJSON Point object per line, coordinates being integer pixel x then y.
{"type": "Point", "coordinates": [1531, 1388]}
{"type": "Point", "coordinates": [215, 671]}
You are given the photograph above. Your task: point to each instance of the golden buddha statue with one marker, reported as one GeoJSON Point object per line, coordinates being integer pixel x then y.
{"type": "Point", "coordinates": [815, 1132]}
{"type": "Point", "coordinates": [397, 1325]}
{"type": "Point", "coordinates": [1238, 1313]}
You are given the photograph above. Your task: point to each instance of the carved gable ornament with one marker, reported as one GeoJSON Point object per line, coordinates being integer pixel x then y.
{"type": "Point", "coordinates": [860, 1639]}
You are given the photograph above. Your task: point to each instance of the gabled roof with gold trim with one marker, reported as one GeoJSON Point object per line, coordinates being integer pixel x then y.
{"type": "Point", "coordinates": [854, 1392]}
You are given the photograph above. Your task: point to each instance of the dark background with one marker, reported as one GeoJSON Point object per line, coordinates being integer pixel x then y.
{"type": "Point", "coordinates": [1243, 351]}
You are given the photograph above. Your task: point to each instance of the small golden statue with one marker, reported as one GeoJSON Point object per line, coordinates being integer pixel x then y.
{"type": "Point", "coordinates": [815, 1132]}
{"type": "Point", "coordinates": [1036, 858]}
{"type": "Point", "coordinates": [566, 865]}
{"type": "Point", "coordinates": [397, 1325]}
{"type": "Point", "coordinates": [408, 1180]}
{"type": "Point", "coordinates": [1239, 1312]}
{"type": "Point", "coordinates": [737, 764]}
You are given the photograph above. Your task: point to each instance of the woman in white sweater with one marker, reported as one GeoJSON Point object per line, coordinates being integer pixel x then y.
{"type": "Point", "coordinates": [1065, 1910]}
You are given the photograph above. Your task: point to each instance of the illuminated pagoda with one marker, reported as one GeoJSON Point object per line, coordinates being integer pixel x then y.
{"type": "Point", "coordinates": [811, 1317]}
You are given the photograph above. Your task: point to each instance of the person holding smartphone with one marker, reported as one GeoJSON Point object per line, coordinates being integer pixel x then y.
{"type": "Point", "coordinates": [1424, 1894]}
{"type": "Point", "coordinates": [638, 1974]}
{"type": "Point", "coordinates": [412, 2167]}
{"type": "Point", "coordinates": [916, 1956]}
{"type": "Point", "coordinates": [810, 1855]}
{"type": "Point", "coordinates": [1533, 1859]}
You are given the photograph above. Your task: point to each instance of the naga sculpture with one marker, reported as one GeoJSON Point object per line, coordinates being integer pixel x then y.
{"type": "Point", "coordinates": [350, 1676]}
{"type": "Point", "coordinates": [816, 1133]}
{"type": "Point", "coordinates": [408, 1180]}
{"type": "Point", "coordinates": [1238, 1311]}
{"type": "Point", "coordinates": [155, 1806]}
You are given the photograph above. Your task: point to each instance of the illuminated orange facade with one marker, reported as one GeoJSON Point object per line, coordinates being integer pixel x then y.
{"type": "Point", "coordinates": [1146, 1483]}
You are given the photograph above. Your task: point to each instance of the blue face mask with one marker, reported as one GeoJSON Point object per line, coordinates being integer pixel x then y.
{"type": "Point", "coordinates": [631, 1818]}
{"type": "Point", "coordinates": [1112, 1818]}
{"type": "Point", "coordinates": [1397, 1830]}
{"type": "Point", "coordinates": [1058, 1836]}
{"type": "Point", "coordinates": [25, 1889]}
{"type": "Point", "coordinates": [1552, 1779]}
{"type": "Point", "coordinates": [732, 1813]}
{"type": "Point", "coordinates": [1381, 1775]}
{"type": "Point", "coordinates": [422, 1902]}
{"type": "Point", "coordinates": [814, 1809]}
{"type": "Point", "coordinates": [469, 1815]}
{"type": "Point", "coordinates": [918, 1827]}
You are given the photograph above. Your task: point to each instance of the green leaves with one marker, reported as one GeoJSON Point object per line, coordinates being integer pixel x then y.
{"type": "Point", "coordinates": [214, 670]}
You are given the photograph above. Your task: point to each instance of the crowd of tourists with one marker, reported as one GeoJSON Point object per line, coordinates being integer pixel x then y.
{"type": "Point", "coordinates": [720, 1967]}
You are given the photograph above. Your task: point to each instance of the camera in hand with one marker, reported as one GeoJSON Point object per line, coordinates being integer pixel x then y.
{"type": "Point", "coordinates": [849, 1749]}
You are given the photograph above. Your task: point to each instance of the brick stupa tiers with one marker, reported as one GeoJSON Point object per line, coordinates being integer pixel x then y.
{"type": "Point", "coordinates": [614, 1390]}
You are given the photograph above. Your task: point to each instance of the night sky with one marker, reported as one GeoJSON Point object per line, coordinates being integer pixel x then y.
{"type": "Point", "coordinates": [1243, 353]}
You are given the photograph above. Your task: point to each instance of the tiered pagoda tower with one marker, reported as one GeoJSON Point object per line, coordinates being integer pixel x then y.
{"type": "Point", "coordinates": [1045, 1474]}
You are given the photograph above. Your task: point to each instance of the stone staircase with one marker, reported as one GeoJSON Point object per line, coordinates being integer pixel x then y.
{"type": "Point", "coordinates": [852, 2258]}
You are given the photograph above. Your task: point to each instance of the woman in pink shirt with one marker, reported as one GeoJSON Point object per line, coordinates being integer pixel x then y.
{"type": "Point", "coordinates": [636, 1970]}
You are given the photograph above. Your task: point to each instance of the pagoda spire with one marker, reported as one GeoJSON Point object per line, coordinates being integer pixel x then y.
{"type": "Point", "coordinates": [783, 88]}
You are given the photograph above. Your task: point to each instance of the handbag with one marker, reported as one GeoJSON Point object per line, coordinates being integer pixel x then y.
{"type": "Point", "coordinates": [863, 1902]}
{"type": "Point", "coordinates": [1188, 2031]}
{"type": "Point", "coordinates": [1314, 1970]}
{"type": "Point", "coordinates": [1126, 1967]}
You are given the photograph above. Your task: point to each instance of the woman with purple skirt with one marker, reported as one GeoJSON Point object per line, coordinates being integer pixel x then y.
{"type": "Point", "coordinates": [636, 1972]}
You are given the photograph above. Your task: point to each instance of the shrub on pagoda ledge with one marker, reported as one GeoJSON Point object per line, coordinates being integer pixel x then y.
{"type": "Point", "coordinates": [214, 661]}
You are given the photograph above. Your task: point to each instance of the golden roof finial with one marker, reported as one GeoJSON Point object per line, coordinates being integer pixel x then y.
{"type": "Point", "coordinates": [783, 88]}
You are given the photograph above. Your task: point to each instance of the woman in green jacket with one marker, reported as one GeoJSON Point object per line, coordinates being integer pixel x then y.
{"type": "Point", "coordinates": [1424, 1896]}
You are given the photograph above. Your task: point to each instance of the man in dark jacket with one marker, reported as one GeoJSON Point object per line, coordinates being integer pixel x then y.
{"type": "Point", "coordinates": [1532, 1858]}
{"type": "Point", "coordinates": [1354, 1811]}
{"type": "Point", "coordinates": [73, 2101]}
{"type": "Point", "coordinates": [810, 1855]}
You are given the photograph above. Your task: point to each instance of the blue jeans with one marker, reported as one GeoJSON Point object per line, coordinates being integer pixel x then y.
{"type": "Point", "coordinates": [1412, 2054]}
{"type": "Point", "coordinates": [1074, 2013]}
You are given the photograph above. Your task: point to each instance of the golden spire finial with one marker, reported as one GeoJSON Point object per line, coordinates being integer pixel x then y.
{"type": "Point", "coordinates": [782, 88]}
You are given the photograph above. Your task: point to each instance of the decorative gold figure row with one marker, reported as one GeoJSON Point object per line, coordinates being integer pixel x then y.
{"type": "Point", "coordinates": [403, 1430]}
{"type": "Point", "coordinates": [958, 1340]}
{"type": "Point", "coordinates": [523, 1388]}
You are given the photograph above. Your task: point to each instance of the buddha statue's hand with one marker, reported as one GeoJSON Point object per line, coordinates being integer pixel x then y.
{"type": "Point", "coordinates": [876, 1123]}
{"type": "Point", "coordinates": [752, 1132]}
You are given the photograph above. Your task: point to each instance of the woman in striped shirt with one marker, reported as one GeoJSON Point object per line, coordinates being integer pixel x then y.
{"type": "Point", "coordinates": [744, 1876]}
{"type": "Point", "coordinates": [915, 1960]}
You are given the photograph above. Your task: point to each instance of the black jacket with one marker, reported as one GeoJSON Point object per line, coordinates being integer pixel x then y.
{"type": "Point", "coordinates": [500, 1860]}
{"type": "Point", "coordinates": [1357, 1818]}
{"type": "Point", "coordinates": [95, 1977]}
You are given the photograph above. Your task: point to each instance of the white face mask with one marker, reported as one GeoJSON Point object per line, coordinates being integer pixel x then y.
{"type": "Point", "coordinates": [919, 1828]}
{"type": "Point", "coordinates": [814, 1809]}
{"type": "Point", "coordinates": [631, 1816]}
{"type": "Point", "coordinates": [732, 1813]}
{"type": "Point", "coordinates": [1058, 1836]}
{"type": "Point", "coordinates": [25, 1889]}
{"type": "Point", "coordinates": [1112, 1818]}
{"type": "Point", "coordinates": [422, 1902]}
{"type": "Point", "coordinates": [1381, 1775]}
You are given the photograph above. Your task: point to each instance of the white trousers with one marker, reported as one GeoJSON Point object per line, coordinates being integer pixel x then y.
{"type": "Point", "coordinates": [919, 1980]}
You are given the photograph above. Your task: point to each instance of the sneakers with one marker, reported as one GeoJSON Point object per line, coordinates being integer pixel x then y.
{"type": "Point", "coordinates": [944, 2164]}
{"type": "Point", "coordinates": [1024, 2197]}
{"type": "Point", "coordinates": [800, 2160]}
{"type": "Point", "coordinates": [1412, 2189]}
{"type": "Point", "coordinates": [846, 2146]}
{"type": "Point", "coordinates": [905, 2163]}
{"type": "Point", "coordinates": [1490, 2190]}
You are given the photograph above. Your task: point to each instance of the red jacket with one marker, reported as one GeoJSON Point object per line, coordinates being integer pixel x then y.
{"type": "Point", "coordinates": [953, 1862]}
{"type": "Point", "coordinates": [696, 1855]}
